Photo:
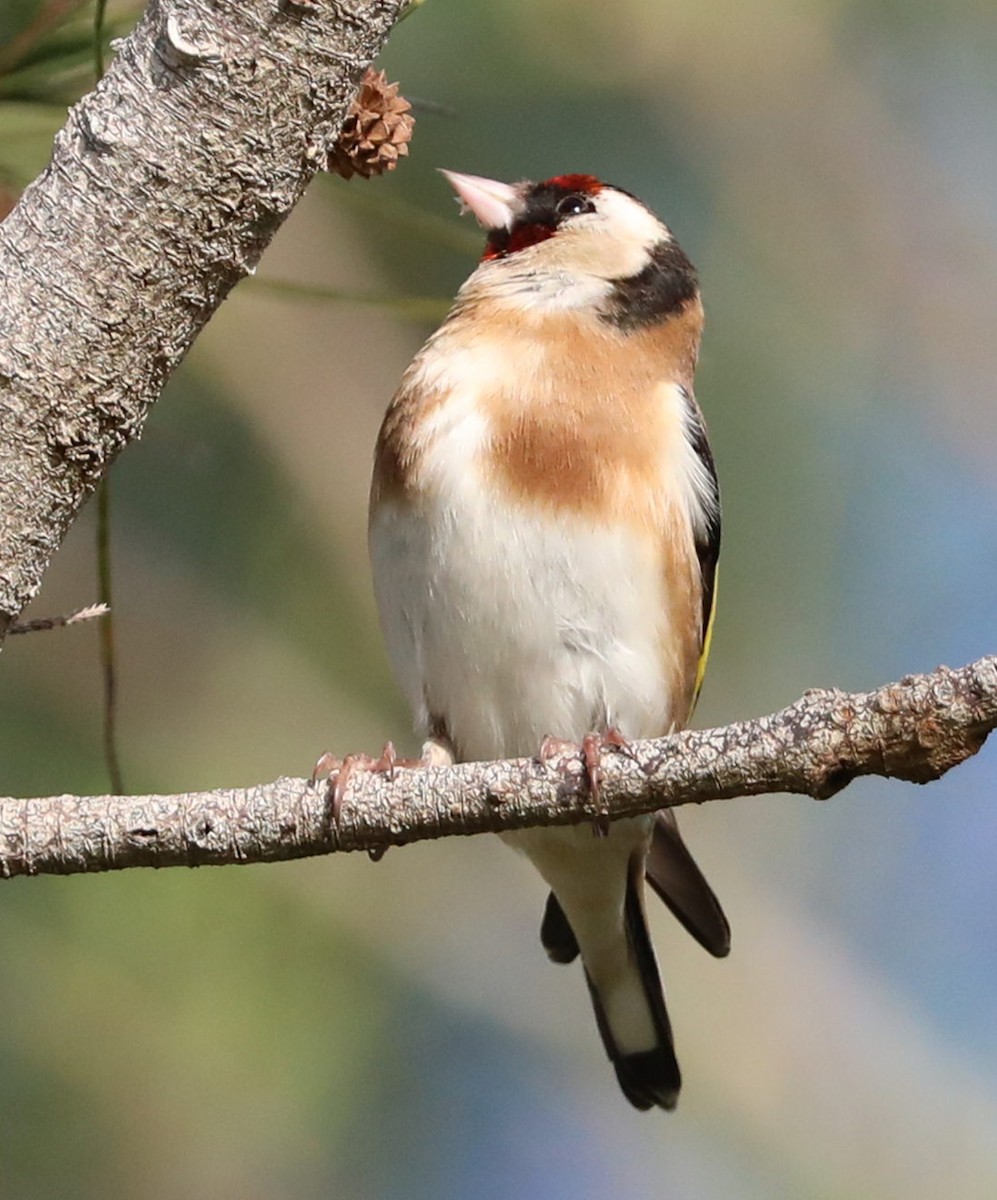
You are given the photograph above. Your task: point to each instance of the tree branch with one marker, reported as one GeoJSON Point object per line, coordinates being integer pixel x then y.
{"type": "Point", "coordinates": [165, 185]}
{"type": "Point", "coordinates": [914, 730]}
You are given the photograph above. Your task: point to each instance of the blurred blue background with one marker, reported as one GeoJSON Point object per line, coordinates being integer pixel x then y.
{"type": "Point", "coordinates": [394, 1030]}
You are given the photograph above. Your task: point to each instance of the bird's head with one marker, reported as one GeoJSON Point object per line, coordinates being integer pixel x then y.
{"type": "Point", "coordinates": [574, 240]}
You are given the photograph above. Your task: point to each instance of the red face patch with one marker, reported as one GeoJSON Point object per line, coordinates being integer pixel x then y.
{"type": "Point", "coordinates": [545, 208]}
{"type": "Point", "coordinates": [518, 238]}
{"type": "Point", "coordinates": [587, 184]}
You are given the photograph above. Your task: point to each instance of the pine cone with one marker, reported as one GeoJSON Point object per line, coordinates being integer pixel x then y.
{"type": "Point", "coordinates": [376, 132]}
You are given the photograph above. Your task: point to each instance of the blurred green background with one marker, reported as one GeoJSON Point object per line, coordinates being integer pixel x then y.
{"type": "Point", "coordinates": [339, 1028]}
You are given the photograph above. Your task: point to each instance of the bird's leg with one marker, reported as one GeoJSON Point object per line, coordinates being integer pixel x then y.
{"type": "Point", "coordinates": [612, 739]}
{"type": "Point", "coordinates": [593, 745]}
{"type": "Point", "coordinates": [341, 770]}
{"type": "Point", "coordinates": [551, 747]}
{"type": "Point", "coordinates": [436, 752]}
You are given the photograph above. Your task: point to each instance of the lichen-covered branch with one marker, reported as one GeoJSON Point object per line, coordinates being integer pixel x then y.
{"type": "Point", "coordinates": [914, 730]}
{"type": "Point", "coordinates": [164, 187]}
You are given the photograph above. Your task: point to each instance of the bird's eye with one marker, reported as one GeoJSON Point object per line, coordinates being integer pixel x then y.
{"type": "Point", "coordinates": [572, 205]}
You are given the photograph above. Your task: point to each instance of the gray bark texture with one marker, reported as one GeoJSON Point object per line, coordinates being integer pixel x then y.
{"type": "Point", "coordinates": [913, 730]}
{"type": "Point", "coordinates": [165, 185]}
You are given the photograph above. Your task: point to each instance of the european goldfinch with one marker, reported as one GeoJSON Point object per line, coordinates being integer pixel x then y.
{"type": "Point", "coordinates": [544, 531]}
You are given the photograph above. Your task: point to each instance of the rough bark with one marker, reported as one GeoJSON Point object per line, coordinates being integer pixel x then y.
{"type": "Point", "coordinates": [165, 185]}
{"type": "Point", "coordinates": [914, 730]}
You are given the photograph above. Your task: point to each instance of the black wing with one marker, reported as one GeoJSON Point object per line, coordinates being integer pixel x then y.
{"type": "Point", "coordinates": [707, 533]}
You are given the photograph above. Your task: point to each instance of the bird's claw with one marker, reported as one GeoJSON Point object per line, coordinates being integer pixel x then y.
{"type": "Point", "coordinates": [341, 770]}
{"type": "Point", "coordinates": [436, 752]}
{"type": "Point", "coordinates": [591, 750]}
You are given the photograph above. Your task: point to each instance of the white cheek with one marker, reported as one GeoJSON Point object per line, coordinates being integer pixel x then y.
{"type": "Point", "coordinates": [614, 242]}
{"type": "Point", "coordinates": [631, 221]}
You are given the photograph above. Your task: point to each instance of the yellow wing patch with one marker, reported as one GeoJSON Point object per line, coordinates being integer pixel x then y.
{"type": "Point", "coordinates": [705, 652]}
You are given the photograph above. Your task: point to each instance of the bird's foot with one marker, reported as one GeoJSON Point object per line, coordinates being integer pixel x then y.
{"type": "Point", "coordinates": [591, 750]}
{"type": "Point", "coordinates": [436, 752]}
{"type": "Point", "coordinates": [341, 770]}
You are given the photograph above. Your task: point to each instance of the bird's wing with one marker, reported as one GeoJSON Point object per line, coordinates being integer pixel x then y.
{"type": "Point", "coordinates": [671, 870]}
{"type": "Point", "coordinates": [707, 535]}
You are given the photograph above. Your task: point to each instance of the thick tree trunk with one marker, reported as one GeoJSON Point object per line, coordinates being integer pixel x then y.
{"type": "Point", "coordinates": [165, 185]}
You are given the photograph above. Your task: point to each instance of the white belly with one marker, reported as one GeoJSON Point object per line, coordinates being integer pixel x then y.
{"type": "Point", "coordinates": [511, 626]}
{"type": "Point", "coordinates": [507, 624]}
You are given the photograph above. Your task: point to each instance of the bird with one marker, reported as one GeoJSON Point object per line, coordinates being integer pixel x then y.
{"type": "Point", "coordinates": [544, 528]}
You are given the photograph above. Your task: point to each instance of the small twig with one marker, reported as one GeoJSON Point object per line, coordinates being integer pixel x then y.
{"type": "Point", "coordinates": [103, 538]}
{"type": "Point", "coordinates": [99, 10]}
{"type": "Point", "coordinates": [82, 614]}
{"type": "Point", "coordinates": [914, 730]}
{"type": "Point", "coordinates": [107, 659]}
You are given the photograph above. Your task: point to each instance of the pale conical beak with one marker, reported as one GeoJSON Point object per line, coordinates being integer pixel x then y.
{"type": "Point", "coordinates": [494, 204]}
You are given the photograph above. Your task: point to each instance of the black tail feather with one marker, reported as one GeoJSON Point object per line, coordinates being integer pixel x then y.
{"type": "Point", "coordinates": [556, 934]}
{"type": "Point", "coordinates": [652, 1077]}
{"type": "Point", "coordinates": [674, 875]}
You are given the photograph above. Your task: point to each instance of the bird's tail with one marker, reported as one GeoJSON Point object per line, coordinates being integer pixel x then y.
{"type": "Point", "coordinates": [620, 966]}
{"type": "Point", "coordinates": [650, 1075]}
